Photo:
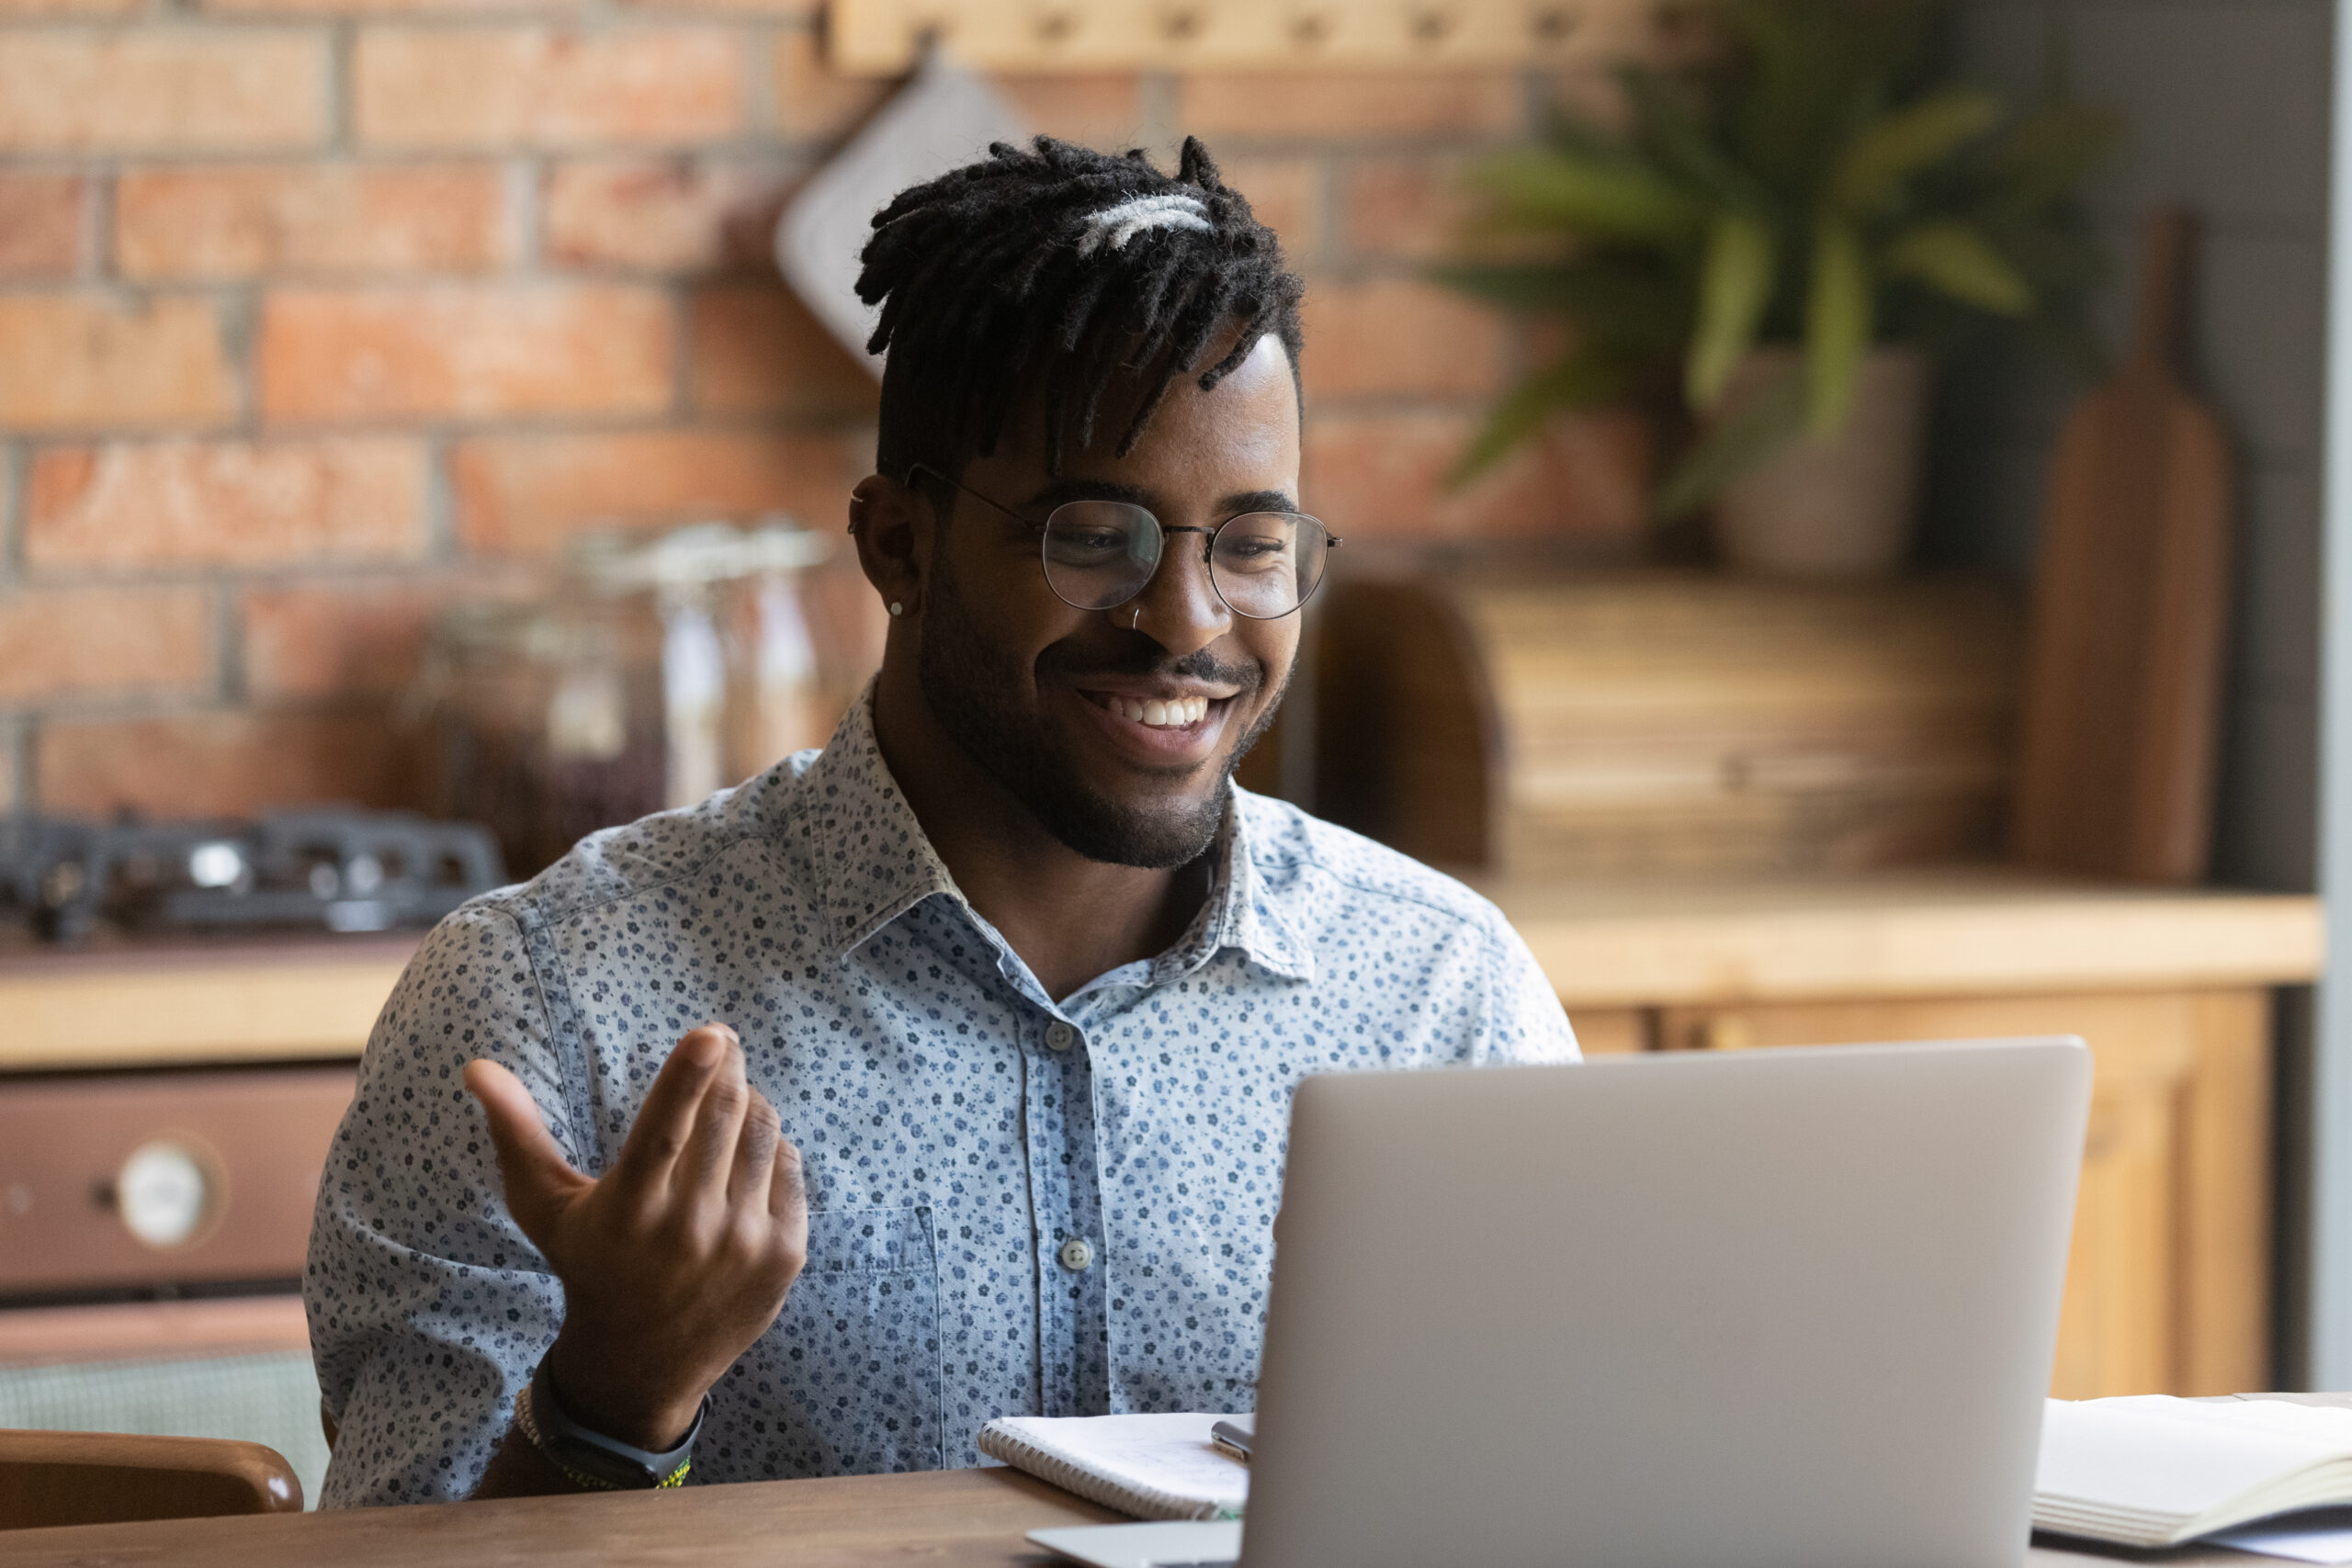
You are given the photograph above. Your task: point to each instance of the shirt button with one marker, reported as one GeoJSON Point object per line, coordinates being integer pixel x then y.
{"type": "Point", "coordinates": [1060, 1037]}
{"type": "Point", "coordinates": [1077, 1255]}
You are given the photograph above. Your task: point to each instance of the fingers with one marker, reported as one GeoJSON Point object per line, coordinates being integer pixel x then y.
{"type": "Point", "coordinates": [531, 1167]}
{"type": "Point", "coordinates": [789, 1188]}
{"type": "Point", "coordinates": [747, 1182]}
{"type": "Point", "coordinates": [701, 1172]}
{"type": "Point", "coordinates": [666, 1120]}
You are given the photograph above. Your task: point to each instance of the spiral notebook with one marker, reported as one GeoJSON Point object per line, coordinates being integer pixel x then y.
{"type": "Point", "coordinates": [1152, 1466]}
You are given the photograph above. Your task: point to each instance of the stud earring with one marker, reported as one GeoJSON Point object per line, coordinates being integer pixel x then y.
{"type": "Point", "coordinates": [896, 608]}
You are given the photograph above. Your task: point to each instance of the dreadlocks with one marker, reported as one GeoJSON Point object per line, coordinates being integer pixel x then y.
{"type": "Point", "coordinates": [1076, 267]}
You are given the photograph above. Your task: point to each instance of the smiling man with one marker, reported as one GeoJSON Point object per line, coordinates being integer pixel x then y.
{"type": "Point", "coordinates": [942, 1075]}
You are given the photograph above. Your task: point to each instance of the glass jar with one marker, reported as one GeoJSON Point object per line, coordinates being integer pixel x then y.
{"type": "Point", "coordinates": [660, 670]}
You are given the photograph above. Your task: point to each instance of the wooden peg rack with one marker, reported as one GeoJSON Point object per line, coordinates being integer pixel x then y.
{"type": "Point", "coordinates": [882, 37]}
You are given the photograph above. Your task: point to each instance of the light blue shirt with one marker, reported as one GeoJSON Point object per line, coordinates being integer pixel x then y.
{"type": "Point", "coordinates": [1018, 1207]}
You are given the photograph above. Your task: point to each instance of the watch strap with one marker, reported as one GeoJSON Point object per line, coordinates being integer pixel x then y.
{"type": "Point", "coordinates": [589, 1458]}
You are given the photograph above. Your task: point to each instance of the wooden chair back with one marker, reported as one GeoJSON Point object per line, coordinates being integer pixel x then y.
{"type": "Point", "coordinates": [88, 1478]}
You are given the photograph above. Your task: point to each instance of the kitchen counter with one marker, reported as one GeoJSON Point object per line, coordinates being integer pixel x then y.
{"type": "Point", "coordinates": [1977, 930]}
{"type": "Point", "coordinates": [126, 1003]}
{"type": "Point", "coordinates": [1946, 931]}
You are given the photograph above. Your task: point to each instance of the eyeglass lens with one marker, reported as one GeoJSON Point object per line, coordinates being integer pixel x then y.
{"type": "Point", "coordinates": [1102, 553]}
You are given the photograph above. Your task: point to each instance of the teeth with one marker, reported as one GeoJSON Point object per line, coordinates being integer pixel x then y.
{"type": "Point", "coordinates": [1180, 714]}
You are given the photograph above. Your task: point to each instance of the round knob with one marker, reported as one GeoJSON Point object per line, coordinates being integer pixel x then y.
{"type": "Point", "coordinates": [164, 1192]}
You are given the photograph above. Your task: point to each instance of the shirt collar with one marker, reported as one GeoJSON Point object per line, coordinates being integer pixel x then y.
{"type": "Point", "coordinates": [872, 862]}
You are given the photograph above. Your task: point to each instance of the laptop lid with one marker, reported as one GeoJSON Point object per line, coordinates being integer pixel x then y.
{"type": "Point", "coordinates": [1783, 1307]}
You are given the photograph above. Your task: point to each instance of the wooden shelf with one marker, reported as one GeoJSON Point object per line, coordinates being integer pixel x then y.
{"type": "Point", "coordinates": [1955, 931]}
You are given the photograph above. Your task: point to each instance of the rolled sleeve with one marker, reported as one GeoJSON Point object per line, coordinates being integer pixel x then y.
{"type": "Point", "coordinates": [428, 1309]}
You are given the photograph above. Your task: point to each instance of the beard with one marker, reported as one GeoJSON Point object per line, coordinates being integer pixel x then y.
{"type": "Point", "coordinates": [967, 685]}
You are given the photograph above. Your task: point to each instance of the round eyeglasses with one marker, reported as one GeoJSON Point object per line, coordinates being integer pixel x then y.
{"type": "Point", "coordinates": [1099, 554]}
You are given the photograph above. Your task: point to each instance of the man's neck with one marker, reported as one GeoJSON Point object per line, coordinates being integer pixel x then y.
{"type": "Point", "coordinates": [1071, 919]}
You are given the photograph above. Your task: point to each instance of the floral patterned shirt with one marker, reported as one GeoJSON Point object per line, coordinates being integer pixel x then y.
{"type": "Point", "coordinates": [1018, 1206]}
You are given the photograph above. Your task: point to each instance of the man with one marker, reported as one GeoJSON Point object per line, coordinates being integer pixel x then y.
{"type": "Point", "coordinates": [943, 1075]}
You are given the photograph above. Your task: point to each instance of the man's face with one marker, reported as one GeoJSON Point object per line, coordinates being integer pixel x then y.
{"type": "Point", "coordinates": [1045, 696]}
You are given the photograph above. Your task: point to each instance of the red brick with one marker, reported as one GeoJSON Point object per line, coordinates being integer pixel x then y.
{"type": "Point", "coordinates": [805, 11]}
{"type": "Point", "coordinates": [811, 101]}
{"type": "Point", "coordinates": [362, 639]}
{"type": "Point", "coordinates": [758, 350]}
{"type": "Point", "coordinates": [1410, 207]}
{"type": "Point", "coordinates": [1285, 195]}
{"type": "Point", "coordinates": [402, 8]}
{"type": "Point", "coordinates": [1398, 337]}
{"type": "Point", "coordinates": [104, 641]}
{"type": "Point", "coordinates": [138, 506]}
{"type": "Point", "coordinates": [237, 220]}
{"type": "Point", "coordinates": [1094, 110]}
{"type": "Point", "coordinates": [40, 225]}
{"type": "Point", "coordinates": [539, 86]}
{"type": "Point", "coordinates": [1382, 476]}
{"type": "Point", "coordinates": [522, 495]}
{"type": "Point", "coordinates": [219, 764]}
{"type": "Point", "coordinates": [162, 88]}
{"type": "Point", "coordinates": [1339, 106]}
{"type": "Point", "coordinates": [660, 214]}
{"type": "Point", "coordinates": [18, 10]}
{"type": "Point", "coordinates": [74, 361]}
{"type": "Point", "coordinates": [465, 352]}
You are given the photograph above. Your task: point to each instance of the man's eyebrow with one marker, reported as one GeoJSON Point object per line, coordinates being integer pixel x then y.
{"type": "Point", "coordinates": [1063, 490]}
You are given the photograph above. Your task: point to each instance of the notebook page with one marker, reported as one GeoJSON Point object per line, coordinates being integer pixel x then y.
{"type": "Point", "coordinates": [1145, 1458]}
{"type": "Point", "coordinates": [2158, 1455]}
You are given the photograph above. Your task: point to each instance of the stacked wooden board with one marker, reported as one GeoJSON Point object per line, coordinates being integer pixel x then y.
{"type": "Point", "coordinates": [1663, 722]}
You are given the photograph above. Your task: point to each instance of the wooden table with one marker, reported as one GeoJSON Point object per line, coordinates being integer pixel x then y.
{"type": "Point", "coordinates": [957, 1519]}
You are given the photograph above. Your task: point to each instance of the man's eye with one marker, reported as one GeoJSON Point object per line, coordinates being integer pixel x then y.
{"type": "Point", "coordinates": [1253, 550]}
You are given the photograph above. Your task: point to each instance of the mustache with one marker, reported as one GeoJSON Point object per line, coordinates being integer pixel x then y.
{"type": "Point", "coordinates": [1139, 656]}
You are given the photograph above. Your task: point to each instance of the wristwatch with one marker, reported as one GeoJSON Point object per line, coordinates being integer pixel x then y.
{"type": "Point", "coordinates": [591, 1458]}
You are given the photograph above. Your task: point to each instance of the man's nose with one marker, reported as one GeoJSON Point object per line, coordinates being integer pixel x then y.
{"type": "Point", "coordinates": [1179, 608]}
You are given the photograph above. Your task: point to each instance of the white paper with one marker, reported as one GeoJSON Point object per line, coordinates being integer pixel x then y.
{"type": "Point", "coordinates": [2322, 1535]}
{"type": "Point", "coordinates": [2160, 1455]}
{"type": "Point", "coordinates": [943, 118]}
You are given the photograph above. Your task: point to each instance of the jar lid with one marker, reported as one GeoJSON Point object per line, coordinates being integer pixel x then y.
{"type": "Point", "coordinates": [698, 554]}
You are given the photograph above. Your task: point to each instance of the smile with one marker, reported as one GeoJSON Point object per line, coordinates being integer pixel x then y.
{"type": "Point", "coordinates": [1175, 713]}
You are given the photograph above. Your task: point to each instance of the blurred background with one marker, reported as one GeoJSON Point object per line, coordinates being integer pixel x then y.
{"type": "Point", "coordinates": [1832, 492]}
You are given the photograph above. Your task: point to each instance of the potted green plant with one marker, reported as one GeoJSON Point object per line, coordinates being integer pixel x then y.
{"type": "Point", "coordinates": [1768, 251]}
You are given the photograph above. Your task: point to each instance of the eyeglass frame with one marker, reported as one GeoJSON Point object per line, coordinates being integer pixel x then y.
{"type": "Point", "coordinates": [1208, 551]}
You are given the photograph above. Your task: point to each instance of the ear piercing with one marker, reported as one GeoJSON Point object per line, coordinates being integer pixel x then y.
{"type": "Point", "coordinates": [896, 608]}
{"type": "Point", "coordinates": [1137, 622]}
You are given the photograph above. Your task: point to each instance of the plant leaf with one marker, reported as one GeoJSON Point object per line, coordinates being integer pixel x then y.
{"type": "Point", "coordinates": [1734, 444]}
{"type": "Point", "coordinates": [2045, 155]}
{"type": "Point", "coordinates": [1593, 196]}
{"type": "Point", "coordinates": [1735, 285]}
{"type": "Point", "coordinates": [1837, 322]}
{"type": "Point", "coordinates": [1896, 146]}
{"type": "Point", "coordinates": [1588, 375]}
{"type": "Point", "coordinates": [1960, 262]}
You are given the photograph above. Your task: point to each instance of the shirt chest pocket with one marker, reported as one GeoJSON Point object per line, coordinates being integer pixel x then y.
{"type": "Point", "coordinates": [861, 1341]}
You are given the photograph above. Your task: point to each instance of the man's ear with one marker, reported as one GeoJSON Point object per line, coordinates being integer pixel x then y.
{"type": "Point", "coordinates": [893, 524]}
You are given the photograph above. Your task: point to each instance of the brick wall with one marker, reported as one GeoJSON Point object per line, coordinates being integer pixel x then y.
{"type": "Point", "coordinates": [315, 314]}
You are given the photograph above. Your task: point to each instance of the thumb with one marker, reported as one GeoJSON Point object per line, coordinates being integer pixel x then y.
{"type": "Point", "coordinates": [537, 1178]}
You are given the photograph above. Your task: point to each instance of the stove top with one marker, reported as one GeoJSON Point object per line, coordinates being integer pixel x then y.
{"type": "Point", "coordinates": [332, 868]}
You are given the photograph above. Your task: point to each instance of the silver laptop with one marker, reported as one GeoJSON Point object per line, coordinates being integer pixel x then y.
{"type": "Point", "coordinates": [1789, 1307]}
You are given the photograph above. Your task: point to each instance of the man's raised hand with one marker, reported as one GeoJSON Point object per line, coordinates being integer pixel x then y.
{"type": "Point", "coordinates": [678, 1257]}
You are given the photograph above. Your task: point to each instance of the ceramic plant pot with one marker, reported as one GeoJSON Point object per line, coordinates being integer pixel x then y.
{"type": "Point", "coordinates": [1835, 506]}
